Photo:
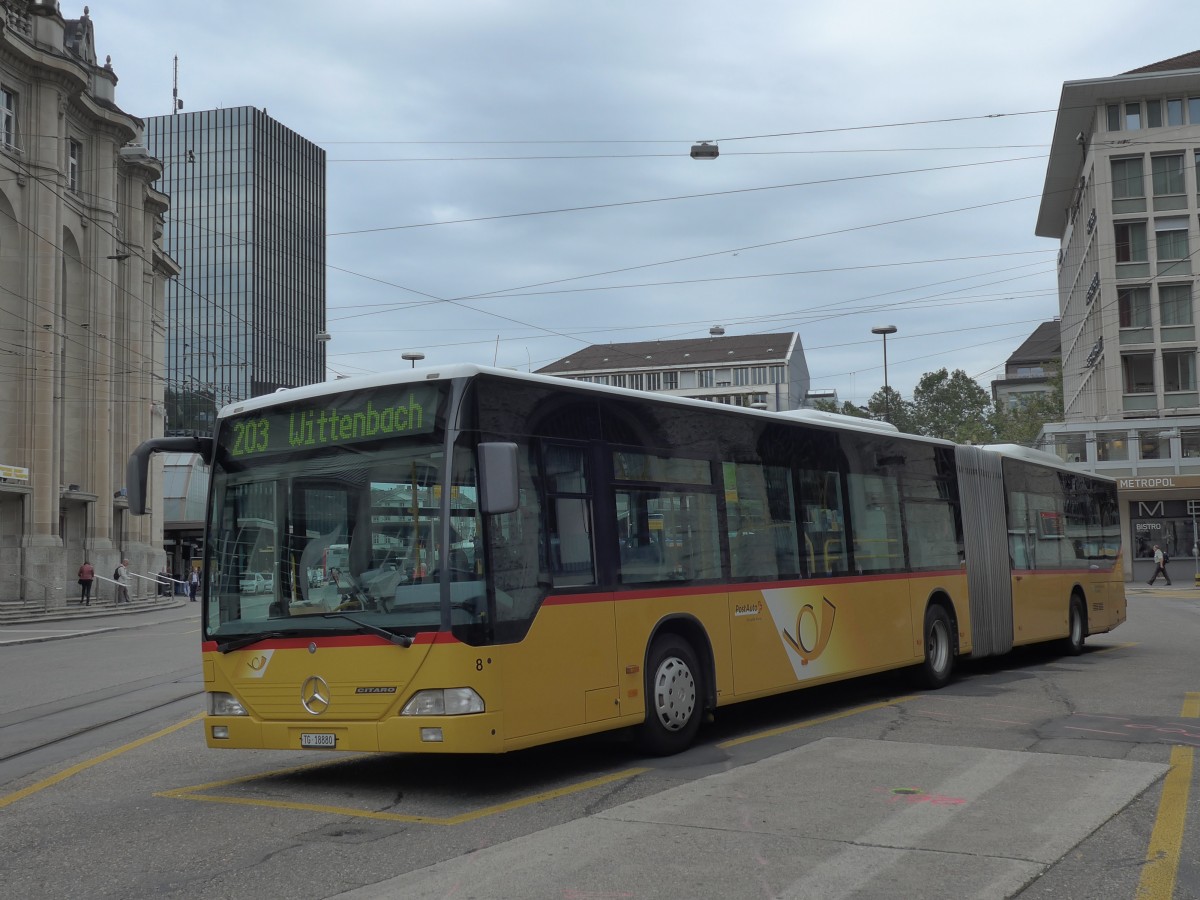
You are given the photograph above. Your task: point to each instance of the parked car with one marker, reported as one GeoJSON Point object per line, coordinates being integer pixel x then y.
{"type": "Point", "coordinates": [257, 583]}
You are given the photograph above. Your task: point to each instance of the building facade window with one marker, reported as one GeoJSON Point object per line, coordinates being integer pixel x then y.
{"type": "Point", "coordinates": [1127, 179]}
{"type": "Point", "coordinates": [1175, 112]}
{"type": "Point", "coordinates": [1112, 446]}
{"type": "Point", "coordinates": [617, 380]}
{"type": "Point", "coordinates": [1152, 445]}
{"type": "Point", "coordinates": [1193, 110]}
{"type": "Point", "coordinates": [1113, 117]}
{"type": "Point", "coordinates": [1167, 175]}
{"type": "Point", "coordinates": [1133, 116]}
{"type": "Point", "coordinates": [1171, 245]}
{"type": "Point", "coordinates": [1137, 373]}
{"type": "Point", "coordinates": [1175, 312]}
{"type": "Point", "coordinates": [1070, 447]}
{"type": "Point", "coordinates": [670, 381]}
{"type": "Point", "coordinates": [741, 376]}
{"type": "Point", "coordinates": [1189, 443]}
{"type": "Point", "coordinates": [654, 381]}
{"type": "Point", "coordinates": [8, 118]}
{"type": "Point", "coordinates": [1154, 114]}
{"type": "Point", "coordinates": [705, 378]}
{"type": "Point", "coordinates": [776, 374]}
{"type": "Point", "coordinates": [74, 152]}
{"type": "Point", "coordinates": [1133, 315]}
{"type": "Point", "coordinates": [635, 381]}
{"type": "Point", "coordinates": [1131, 242]}
{"type": "Point", "coordinates": [1179, 370]}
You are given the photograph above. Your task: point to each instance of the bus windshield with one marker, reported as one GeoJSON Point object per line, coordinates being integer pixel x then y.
{"type": "Point", "coordinates": [302, 545]}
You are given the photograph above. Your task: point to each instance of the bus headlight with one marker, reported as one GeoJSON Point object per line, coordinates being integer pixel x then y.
{"type": "Point", "coordinates": [222, 704]}
{"type": "Point", "coordinates": [443, 702]}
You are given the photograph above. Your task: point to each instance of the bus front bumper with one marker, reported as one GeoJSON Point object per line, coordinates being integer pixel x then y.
{"type": "Point", "coordinates": [475, 733]}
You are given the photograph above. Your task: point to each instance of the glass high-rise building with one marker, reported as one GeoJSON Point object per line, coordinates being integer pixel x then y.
{"type": "Point", "coordinates": [247, 226]}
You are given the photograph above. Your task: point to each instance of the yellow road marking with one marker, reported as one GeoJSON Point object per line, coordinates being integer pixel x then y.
{"type": "Point", "coordinates": [87, 764]}
{"type": "Point", "coordinates": [820, 720]}
{"type": "Point", "coordinates": [190, 793]}
{"type": "Point", "coordinates": [1162, 856]}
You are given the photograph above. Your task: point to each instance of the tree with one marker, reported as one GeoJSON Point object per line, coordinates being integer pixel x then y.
{"type": "Point", "coordinates": [951, 406]}
{"type": "Point", "coordinates": [846, 409]}
{"type": "Point", "coordinates": [887, 405]}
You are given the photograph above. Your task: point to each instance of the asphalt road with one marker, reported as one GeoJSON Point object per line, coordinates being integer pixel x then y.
{"type": "Point", "coordinates": [1031, 776]}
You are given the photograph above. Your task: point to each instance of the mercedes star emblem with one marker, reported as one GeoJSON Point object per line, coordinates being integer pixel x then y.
{"type": "Point", "coordinates": [314, 695]}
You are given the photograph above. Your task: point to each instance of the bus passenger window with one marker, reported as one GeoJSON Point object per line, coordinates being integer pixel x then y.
{"type": "Point", "coordinates": [667, 536]}
{"type": "Point", "coordinates": [875, 516]}
{"type": "Point", "coordinates": [761, 519]}
{"type": "Point", "coordinates": [824, 524]}
{"type": "Point", "coordinates": [569, 517]}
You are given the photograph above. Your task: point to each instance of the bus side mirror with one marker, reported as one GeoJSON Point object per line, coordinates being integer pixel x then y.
{"type": "Point", "coordinates": [136, 469]}
{"type": "Point", "coordinates": [498, 492]}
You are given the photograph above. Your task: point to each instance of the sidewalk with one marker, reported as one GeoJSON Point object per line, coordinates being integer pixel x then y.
{"type": "Point", "coordinates": [1180, 587]}
{"type": "Point", "coordinates": [137, 614]}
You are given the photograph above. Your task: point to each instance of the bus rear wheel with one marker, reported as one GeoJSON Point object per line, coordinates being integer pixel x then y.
{"type": "Point", "coordinates": [674, 697]}
{"type": "Point", "coordinates": [1076, 627]}
{"type": "Point", "coordinates": [939, 648]}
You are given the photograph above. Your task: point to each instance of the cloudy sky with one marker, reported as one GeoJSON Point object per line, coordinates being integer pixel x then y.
{"type": "Point", "coordinates": [510, 180]}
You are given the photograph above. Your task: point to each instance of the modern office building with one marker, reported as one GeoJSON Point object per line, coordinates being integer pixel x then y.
{"type": "Point", "coordinates": [1121, 198]}
{"type": "Point", "coordinates": [81, 313]}
{"type": "Point", "coordinates": [247, 225]}
{"type": "Point", "coordinates": [762, 370]}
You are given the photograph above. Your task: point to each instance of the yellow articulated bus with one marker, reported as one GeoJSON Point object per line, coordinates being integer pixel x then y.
{"type": "Point", "coordinates": [469, 560]}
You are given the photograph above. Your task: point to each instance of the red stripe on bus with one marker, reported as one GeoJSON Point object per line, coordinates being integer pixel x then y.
{"type": "Point", "coordinates": [650, 593]}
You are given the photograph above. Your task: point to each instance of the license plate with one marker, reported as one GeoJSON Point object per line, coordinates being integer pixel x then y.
{"type": "Point", "coordinates": [319, 741]}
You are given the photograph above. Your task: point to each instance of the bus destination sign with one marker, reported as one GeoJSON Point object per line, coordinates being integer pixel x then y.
{"type": "Point", "coordinates": [332, 422]}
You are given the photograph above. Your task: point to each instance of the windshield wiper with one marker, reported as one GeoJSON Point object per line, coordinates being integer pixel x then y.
{"type": "Point", "coordinates": [402, 640]}
{"type": "Point", "coordinates": [246, 640]}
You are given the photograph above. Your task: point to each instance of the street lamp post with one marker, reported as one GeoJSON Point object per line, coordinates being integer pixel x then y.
{"type": "Point", "coordinates": [885, 330]}
{"type": "Point", "coordinates": [412, 357]}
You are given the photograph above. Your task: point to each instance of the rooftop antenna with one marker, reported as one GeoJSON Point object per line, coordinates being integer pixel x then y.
{"type": "Point", "coordinates": [176, 103]}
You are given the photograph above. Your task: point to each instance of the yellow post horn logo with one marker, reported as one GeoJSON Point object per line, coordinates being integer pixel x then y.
{"type": "Point", "coordinates": [811, 637]}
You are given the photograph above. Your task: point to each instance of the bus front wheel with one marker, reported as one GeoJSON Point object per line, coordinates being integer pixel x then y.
{"type": "Point", "coordinates": [674, 697]}
{"type": "Point", "coordinates": [939, 648]}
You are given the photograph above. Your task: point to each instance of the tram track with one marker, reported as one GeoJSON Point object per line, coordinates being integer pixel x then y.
{"type": "Point", "coordinates": [41, 736]}
{"type": "Point", "coordinates": [89, 728]}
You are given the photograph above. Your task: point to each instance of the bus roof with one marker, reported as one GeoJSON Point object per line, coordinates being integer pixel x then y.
{"type": "Point", "coordinates": [468, 370]}
{"type": "Point", "coordinates": [1042, 458]}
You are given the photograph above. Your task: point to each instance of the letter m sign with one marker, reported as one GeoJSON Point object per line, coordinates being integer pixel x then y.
{"type": "Point", "coordinates": [1150, 510]}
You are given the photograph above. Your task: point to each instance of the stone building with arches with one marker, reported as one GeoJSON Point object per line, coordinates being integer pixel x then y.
{"type": "Point", "coordinates": [82, 276]}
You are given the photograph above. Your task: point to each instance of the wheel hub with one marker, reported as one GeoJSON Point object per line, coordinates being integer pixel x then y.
{"type": "Point", "coordinates": [674, 694]}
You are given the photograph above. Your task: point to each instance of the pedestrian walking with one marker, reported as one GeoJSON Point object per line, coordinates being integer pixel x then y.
{"type": "Point", "coordinates": [87, 574]}
{"type": "Point", "coordinates": [121, 577]}
{"type": "Point", "coordinates": [194, 584]}
{"type": "Point", "coordinates": [1160, 565]}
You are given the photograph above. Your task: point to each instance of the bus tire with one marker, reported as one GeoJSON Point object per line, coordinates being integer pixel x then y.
{"type": "Point", "coordinates": [674, 697]}
{"type": "Point", "coordinates": [1072, 644]}
{"type": "Point", "coordinates": [938, 634]}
